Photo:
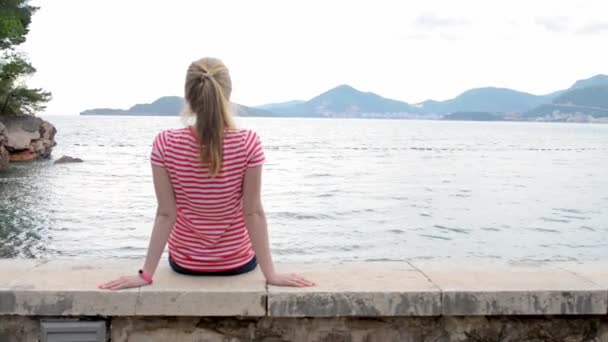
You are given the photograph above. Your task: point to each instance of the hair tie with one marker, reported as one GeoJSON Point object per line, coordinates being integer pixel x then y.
{"type": "Point", "coordinates": [206, 75]}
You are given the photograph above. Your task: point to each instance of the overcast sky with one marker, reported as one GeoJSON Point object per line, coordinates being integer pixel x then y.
{"type": "Point", "coordinates": [115, 53]}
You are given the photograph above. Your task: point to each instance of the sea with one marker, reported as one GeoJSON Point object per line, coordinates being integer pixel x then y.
{"type": "Point", "coordinates": [335, 190]}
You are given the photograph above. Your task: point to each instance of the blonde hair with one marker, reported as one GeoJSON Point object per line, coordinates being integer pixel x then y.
{"type": "Point", "coordinates": [207, 93]}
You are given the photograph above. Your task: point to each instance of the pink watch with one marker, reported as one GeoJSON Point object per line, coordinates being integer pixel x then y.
{"type": "Point", "coordinates": [145, 276]}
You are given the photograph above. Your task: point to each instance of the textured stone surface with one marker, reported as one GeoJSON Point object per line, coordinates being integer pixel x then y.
{"type": "Point", "coordinates": [180, 295]}
{"type": "Point", "coordinates": [525, 329]}
{"type": "Point", "coordinates": [3, 134]}
{"type": "Point", "coordinates": [19, 329]}
{"type": "Point", "coordinates": [10, 271]}
{"type": "Point", "coordinates": [29, 137]}
{"type": "Point", "coordinates": [13, 269]}
{"type": "Point", "coordinates": [188, 329]}
{"type": "Point", "coordinates": [594, 271]}
{"type": "Point", "coordinates": [4, 155]}
{"type": "Point", "coordinates": [62, 287]}
{"type": "Point", "coordinates": [21, 131]}
{"type": "Point", "coordinates": [69, 287]}
{"type": "Point", "coordinates": [395, 329]}
{"type": "Point", "coordinates": [356, 289]}
{"type": "Point", "coordinates": [500, 289]}
{"type": "Point", "coordinates": [5, 158]}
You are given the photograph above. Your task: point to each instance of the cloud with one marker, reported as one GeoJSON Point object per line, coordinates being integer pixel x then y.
{"type": "Point", "coordinates": [561, 24]}
{"type": "Point", "coordinates": [432, 21]}
{"type": "Point", "coordinates": [553, 24]}
{"type": "Point", "coordinates": [595, 28]}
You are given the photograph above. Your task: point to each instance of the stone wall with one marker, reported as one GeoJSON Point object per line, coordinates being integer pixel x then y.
{"type": "Point", "coordinates": [394, 329]}
{"type": "Point", "coordinates": [338, 329]}
{"type": "Point", "coordinates": [354, 302]}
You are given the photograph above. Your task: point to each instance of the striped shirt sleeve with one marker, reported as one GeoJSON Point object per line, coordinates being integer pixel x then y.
{"type": "Point", "coordinates": [157, 157]}
{"type": "Point", "coordinates": [254, 150]}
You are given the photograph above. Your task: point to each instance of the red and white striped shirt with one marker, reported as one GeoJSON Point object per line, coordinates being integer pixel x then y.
{"type": "Point", "coordinates": [209, 234]}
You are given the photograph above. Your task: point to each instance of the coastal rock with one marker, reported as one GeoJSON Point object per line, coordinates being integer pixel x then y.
{"type": "Point", "coordinates": [4, 155]}
{"type": "Point", "coordinates": [68, 159]}
{"type": "Point", "coordinates": [28, 137]}
{"type": "Point", "coordinates": [22, 156]}
{"type": "Point", "coordinates": [4, 158]}
{"type": "Point", "coordinates": [3, 134]}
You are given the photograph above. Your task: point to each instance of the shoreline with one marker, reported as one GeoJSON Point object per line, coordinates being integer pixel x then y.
{"type": "Point", "coordinates": [354, 117]}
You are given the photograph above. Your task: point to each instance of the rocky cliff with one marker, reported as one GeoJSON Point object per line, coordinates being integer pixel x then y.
{"type": "Point", "coordinates": [25, 138]}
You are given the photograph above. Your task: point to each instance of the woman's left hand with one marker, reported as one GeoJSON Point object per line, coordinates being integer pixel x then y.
{"type": "Point", "coordinates": [124, 282]}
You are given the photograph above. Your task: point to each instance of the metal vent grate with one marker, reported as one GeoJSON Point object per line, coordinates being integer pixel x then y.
{"type": "Point", "coordinates": [72, 331]}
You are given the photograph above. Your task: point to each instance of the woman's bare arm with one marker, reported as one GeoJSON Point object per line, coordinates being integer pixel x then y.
{"type": "Point", "coordinates": [163, 224]}
{"type": "Point", "coordinates": [255, 219]}
{"type": "Point", "coordinates": [165, 219]}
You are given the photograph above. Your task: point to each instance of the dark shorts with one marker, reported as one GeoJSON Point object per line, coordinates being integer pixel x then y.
{"type": "Point", "coordinates": [248, 267]}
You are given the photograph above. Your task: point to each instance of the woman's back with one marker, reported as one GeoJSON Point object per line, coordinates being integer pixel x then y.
{"type": "Point", "coordinates": [210, 232]}
{"type": "Point", "coordinates": [208, 180]}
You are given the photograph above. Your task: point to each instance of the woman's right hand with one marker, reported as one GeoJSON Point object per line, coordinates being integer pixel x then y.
{"type": "Point", "coordinates": [124, 283]}
{"type": "Point", "coordinates": [289, 280]}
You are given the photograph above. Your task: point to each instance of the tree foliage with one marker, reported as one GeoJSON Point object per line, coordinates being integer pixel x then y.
{"type": "Point", "coordinates": [15, 96]}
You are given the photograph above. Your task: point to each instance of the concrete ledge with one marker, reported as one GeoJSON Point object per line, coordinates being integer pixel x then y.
{"type": "Point", "coordinates": [393, 289]}
{"type": "Point", "coordinates": [174, 294]}
{"type": "Point", "coordinates": [69, 288]}
{"type": "Point", "coordinates": [500, 289]}
{"type": "Point", "coordinates": [66, 288]}
{"type": "Point", "coordinates": [596, 272]}
{"type": "Point", "coordinates": [356, 289]}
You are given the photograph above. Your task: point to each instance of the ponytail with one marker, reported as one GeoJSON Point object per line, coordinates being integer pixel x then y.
{"type": "Point", "coordinates": [206, 87]}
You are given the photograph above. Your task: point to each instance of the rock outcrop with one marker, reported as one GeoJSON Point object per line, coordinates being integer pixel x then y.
{"type": "Point", "coordinates": [4, 155]}
{"type": "Point", "coordinates": [67, 159]}
{"type": "Point", "coordinates": [26, 138]}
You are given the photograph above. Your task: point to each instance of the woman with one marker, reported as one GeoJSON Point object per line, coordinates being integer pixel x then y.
{"type": "Point", "coordinates": [207, 179]}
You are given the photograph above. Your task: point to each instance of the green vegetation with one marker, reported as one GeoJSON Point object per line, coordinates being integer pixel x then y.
{"type": "Point", "coordinates": [595, 96]}
{"type": "Point", "coordinates": [15, 96]}
{"type": "Point", "coordinates": [579, 100]}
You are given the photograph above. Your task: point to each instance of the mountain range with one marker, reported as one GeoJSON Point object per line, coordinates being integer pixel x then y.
{"type": "Point", "coordinates": [168, 106]}
{"type": "Point", "coordinates": [585, 100]}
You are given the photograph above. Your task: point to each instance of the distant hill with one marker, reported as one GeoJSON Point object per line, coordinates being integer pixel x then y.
{"type": "Point", "coordinates": [168, 106]}
{"type": "Point", "coordinates": [593, 96]}
{"type": "Point", "coordinates": [346, 101]}
{"type": "Point", "coordinates": [597, 80]}
{"type": "Point", "coordinates": [488, 99]}
{"type": "Point", "coordinates": [103, 111]}
{"type": "Point", "coordinates": [251, 111]}
{"type": "Point", "coordinates": [475, 104]}
{"type": "Point", "coordinates": [586, 97]}
{"type": "Point", "coordinates": [164, 106]}
{"type": "Point", "coordinates": [588, 101]}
